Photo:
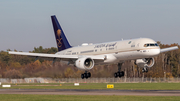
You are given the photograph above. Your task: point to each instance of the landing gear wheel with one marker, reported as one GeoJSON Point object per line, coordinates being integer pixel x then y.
{"type": "Point", "coordinates": [89, 74]}
{"type": "Point", "coordinates": [121, 73]}
{"type": "Point", "coordinates": [86, 75]}
{"type": "Point", "coordinates": [82, 76]}
{"type": "Point", "coordinates": [144, 70]}
{"type": "Point", "coordinates": [115, 75]}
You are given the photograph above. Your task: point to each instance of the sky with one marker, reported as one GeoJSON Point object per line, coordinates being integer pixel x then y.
{"type": "Point", "coordinates": [25, 24]}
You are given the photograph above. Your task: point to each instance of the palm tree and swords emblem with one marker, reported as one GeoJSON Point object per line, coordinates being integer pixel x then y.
{"type": "Point", "coordinates": [59, 43]}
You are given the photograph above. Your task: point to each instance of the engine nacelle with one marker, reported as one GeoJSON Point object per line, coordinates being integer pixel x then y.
{"type": "Point", "coordinates": [148, 62]}
{"type": "Point", "coordinates": [84, 63]}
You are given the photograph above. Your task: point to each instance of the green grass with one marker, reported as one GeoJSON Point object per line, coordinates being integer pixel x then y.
{"type": "Point", "coordinates": [18, 97]}
{"type": "Point", "coordinates": [122, 86]}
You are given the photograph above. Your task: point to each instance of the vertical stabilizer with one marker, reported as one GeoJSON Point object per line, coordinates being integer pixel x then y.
{"type": "Point", "coordinates": [62, 42]}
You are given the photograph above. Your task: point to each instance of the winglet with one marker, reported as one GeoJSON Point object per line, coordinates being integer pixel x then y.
{"type": "Point", "coordinates": [62, 42]}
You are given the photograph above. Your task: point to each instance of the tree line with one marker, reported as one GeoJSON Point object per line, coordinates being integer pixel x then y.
{"type": "Point", "coordinates": [16, 66]}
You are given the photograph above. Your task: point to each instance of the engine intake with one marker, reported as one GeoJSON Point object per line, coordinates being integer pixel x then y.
{"type": "Point", "coordinates": [148, 62]}
{"type": "Point", "coordinates": [84, 63]}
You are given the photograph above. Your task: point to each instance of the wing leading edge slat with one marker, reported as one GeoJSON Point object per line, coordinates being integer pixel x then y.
{"type": "Point", "coordinates": [42, 55]}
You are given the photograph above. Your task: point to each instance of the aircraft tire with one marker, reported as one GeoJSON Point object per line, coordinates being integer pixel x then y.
{"type": "Point", "coordinates": [89, 74]}
{"type": "Point", "coordinates": [86, 75]}
{"type": "Point", "coordinates": [119, 74]}
{"type": "Point", "coordinates": [115, 75]}
{"type": "Point", "coordinates": [122, 73]}
{"type": "Point", "coordinates": [82, 76]}
{"type": "Point", "coordinates": [143, 70]}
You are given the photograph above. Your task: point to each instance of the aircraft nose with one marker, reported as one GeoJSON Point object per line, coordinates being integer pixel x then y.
{"type": "Point", "coordinates": [155, 52]}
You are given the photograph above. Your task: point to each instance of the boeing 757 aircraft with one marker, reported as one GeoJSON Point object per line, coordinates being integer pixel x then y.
{"type": "Point", "coordinates": [84, 57]}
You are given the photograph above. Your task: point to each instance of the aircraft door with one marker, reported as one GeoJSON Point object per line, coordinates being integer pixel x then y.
{"type": "Point", "coordinates": [137, 45]}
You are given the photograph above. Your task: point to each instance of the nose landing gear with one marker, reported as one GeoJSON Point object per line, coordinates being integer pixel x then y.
{"type": "Point", "coordinates": [145, 70]}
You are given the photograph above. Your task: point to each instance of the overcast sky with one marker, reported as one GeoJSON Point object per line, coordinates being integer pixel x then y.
{"type": "Point", "coordinates": [25, 24]}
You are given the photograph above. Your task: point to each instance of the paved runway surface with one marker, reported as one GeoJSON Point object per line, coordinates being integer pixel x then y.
{"type": "Point", "coordinates": [91, 92]}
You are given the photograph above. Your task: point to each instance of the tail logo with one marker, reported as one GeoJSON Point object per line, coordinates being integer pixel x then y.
{"type": "Point", "coordinates": [59, 43]}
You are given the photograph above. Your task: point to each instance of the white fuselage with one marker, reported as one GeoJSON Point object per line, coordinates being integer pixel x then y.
{"type": "Point", "coordinates": [118, 51]}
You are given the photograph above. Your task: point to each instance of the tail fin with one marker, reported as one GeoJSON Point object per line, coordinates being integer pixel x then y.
{"type": "Point", "coordinates": [62, 42]}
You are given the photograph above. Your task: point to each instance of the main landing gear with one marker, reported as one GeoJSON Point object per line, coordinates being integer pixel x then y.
{"type": "Point", "coordinates": [86, 75]}
{"type": "Point", "coordinates": [119, 73]}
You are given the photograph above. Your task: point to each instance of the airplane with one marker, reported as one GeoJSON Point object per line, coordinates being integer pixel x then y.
{"type": "Point", "coordinates": [86, 56]}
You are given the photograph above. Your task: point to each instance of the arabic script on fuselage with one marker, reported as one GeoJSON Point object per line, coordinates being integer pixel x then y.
{"type": "Point", "coordinates": [105, 45]}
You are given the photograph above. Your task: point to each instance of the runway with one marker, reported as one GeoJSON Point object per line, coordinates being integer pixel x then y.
{"type": "Point", "coordinates": [91, 92]}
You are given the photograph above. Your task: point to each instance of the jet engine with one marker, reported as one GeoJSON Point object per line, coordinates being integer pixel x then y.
{"type": "Point", "coordinates": [147, 62]}
{"type": "Point", "coordinates": [84, 63]}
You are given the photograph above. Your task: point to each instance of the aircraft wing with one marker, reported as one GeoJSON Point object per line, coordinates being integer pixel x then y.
{"type": "Point", "coordinates": [169, 49]}
{"type": "Point", "coordinates": [55, 56]}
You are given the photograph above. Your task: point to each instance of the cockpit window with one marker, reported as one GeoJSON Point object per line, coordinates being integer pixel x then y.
{"type": "Point", "coordinates": [150, 44]}
{"type": "Point", "coordinates": [156, 44]}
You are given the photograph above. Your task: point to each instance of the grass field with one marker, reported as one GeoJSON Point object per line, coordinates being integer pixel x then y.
{"type": "Point", "coordinates": [122, 86]}
{"type": "Point", "coordinates": [14, 97]}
